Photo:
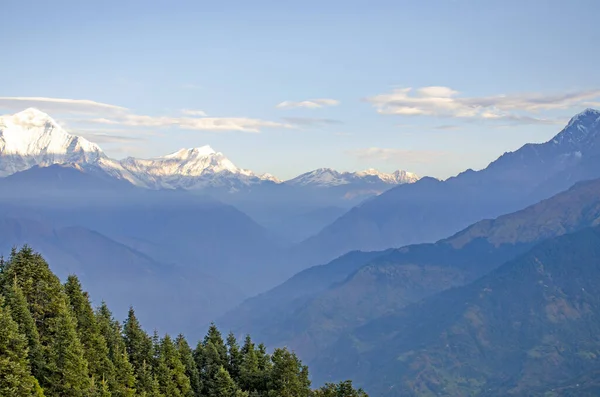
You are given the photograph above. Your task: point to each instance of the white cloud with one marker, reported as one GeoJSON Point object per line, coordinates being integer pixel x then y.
{"type": "Point", "coordinates": [102, 113]}
{"type": "Point", "coordinates": [446, 102]}
{"type": "Point", "coordinates": [59, 105]}
{"type": "Point", "coordinates": [396, 155]}
{"type": "Point", "coordinates": [192, 112]}
{"type": "Point", "coordinates": [310, 104]}
{"type": "Point", "coordinates": [190, 123]}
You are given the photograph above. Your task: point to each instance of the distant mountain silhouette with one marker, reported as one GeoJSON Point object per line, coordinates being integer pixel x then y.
{"type": "Point", "coordinates": [429, 209]}
{"type": "Point", "coordinates": [359, 287]}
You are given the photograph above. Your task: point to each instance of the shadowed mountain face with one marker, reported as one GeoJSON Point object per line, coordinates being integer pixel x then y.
{"type": "Point", "coordinates": [170, 226]}
{"type": "Point", "coordinates": [429, 209]}
{"type": "Point", "coordinates": [387, 281]}
{"type": "Point", "coordinates": [528, 327]}
{"type": "Point", "coordinates": [122, 276]}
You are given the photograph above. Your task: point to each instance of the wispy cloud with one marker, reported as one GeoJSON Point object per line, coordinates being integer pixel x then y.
{"type": "Point", "coordinates": [445, 102]}
{"type": "Point", "coordinates": [111, 138]}
{"type": "Point", "coordinates": [310, 103]}
{"type": "Point", "coordinates": [105, 114]}
{"type": "Point", "coordinates": [396, 155]}
{"type": "Point", "coordinates": [192, 112]}
{"type": "Point", "coordinates": [191, 123]}
{"type": "Point", "coordinates": [310, 121]}
{"type": "Point", "coordinates": [59, 105]}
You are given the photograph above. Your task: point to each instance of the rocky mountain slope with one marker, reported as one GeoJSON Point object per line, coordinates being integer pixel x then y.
{"type": "Point", "coordinates": [528, 328]}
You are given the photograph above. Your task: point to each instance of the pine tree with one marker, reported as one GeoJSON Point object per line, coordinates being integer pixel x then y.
{"type": "Point", "coordinates": [15, 375]}
{"type": "Point", "coordinates": [140, 353]}
{"type": "Point", "coordinates": [170, 371]}
{"type": "Point", "coordinates": [123, 383]}
{"type": "Point", "coordinates": [65, 371]}
{"type": "Point", "coordinates": [68, 367]}
{"type": "Point", "coordinates": [342, 389]}
{"type": "Point", "coordinates": [214, 356]}
{"type": "Point", "coordinates": [94, 345]}
{"type": "Point", "coordinates": [250, 373]}
{"type": "Point", "coordinates": [20, 313]}
{"type": "Point", "coordinates": [214, 336]}
{"type": "Point", "coordinates": [234, 357]}
{"type": "Point", "coordinates": [223, 385]}
{"type": "Point", "coordinates": [191, 370]}
{"type": "Point", "coordinates": [289, 378]}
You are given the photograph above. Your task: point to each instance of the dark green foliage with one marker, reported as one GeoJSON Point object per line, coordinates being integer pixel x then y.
{"type": "Point", "coordinates": [191, 369]}
{"type": "Point", "coordinates": [65, 371]}
{"type": "Point", "coordinates": [95, 349]}
{"type": "Point", "coordinates": [223, 385]}
{"type": "Point", "coordinates": [170, 371]}
{"type": "Point", "coordinates": [53, 344]}
{"type": "Point", "coordinates": [123, 384]}
{"type": "Point", "coordinates": [234, 357]}
{"type": "Point", "coordinates": [140, 352]}
{"type": "Point", "coordinates": [289, 378]}
{"type": "Point", "coordinates": [342, 389]}
{"type": "Point", "coordinates": [20, 313]}
{"type": "Point", "coordinates": [15, 375]}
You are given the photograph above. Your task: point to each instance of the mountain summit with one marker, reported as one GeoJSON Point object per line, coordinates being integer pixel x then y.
{"type": "Point", "coordinates": [31, 138]}
{"type": "Point", "coordinates": [327, 177]}
{"type": "Point", "coordinates": [192, 168]}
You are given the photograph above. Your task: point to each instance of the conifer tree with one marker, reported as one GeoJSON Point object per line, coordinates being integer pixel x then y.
{"type": "Point", "coordinates": [15, 375]}
{"type": "Point", "coordinates": [214, 336]}
{"type": "Point", "coordinates": [250, 373]}
{"type": "Point", "coordinates": [234, 357]}
{"type": "Point", "coordinates": [67, 366]}
{"type": "Point", "coordinates": [123, 383]}
{"type": "Point", "coordinates": [94, 345]}
{"type": "Point", "coordinates": [20, 313]}
{"type": "Point", "coordinates": [223, 385]}
{"type": "Point", "coordinates": [342, 389]}
{"type": "Point", "coordinates": [170, 371]}
{"type": "Point", "coordinates": [65, 371]}
{"type": "Point", "coordinates": [289, 378]}
{"type": "Point", "coordinates": [191, 370]}
{"type": "Point", "coordinates": [140, 353]}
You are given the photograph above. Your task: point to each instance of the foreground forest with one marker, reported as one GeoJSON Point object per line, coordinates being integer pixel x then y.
{"type": "Point", "coordinates": [53, 343]}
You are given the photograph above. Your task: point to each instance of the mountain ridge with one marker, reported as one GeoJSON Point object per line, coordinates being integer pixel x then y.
{"type": "Point", "coordinates": [31, 137]}
{"type": "Point", "coordinates": [430, 209]}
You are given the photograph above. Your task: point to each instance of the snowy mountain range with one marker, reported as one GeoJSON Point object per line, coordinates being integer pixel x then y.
{"type": "Point", "coordinates": [32, 137]}
{"type": "Point", "coordinates": [326, 177]}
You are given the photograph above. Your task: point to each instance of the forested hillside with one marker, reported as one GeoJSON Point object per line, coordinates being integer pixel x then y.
{"type": "Point", "coordinates": [53, 343]}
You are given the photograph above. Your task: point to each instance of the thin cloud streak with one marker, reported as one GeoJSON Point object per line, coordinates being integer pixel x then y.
{"type": "Point", "coordinates": [59, 105]}
{"type": "Point", "coordinates": [444, 102]}
{"type": "Point", "coordinates": [192, 112]}
{"type": "Point", "coordinates": [107, 114]}
{"type": "Point", "coordinates": [309, 104]}
{"type": "Point", "coordinates": [188, 123]}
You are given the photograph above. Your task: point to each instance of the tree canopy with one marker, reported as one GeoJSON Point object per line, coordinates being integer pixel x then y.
{"type": "Point", "coordinates": [53, 343]}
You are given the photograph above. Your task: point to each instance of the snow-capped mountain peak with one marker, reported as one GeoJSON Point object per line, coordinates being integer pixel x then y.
{"type": "Point", "coordinates": [327, 177]}
{"type": "Point", "coordinates": [580, 130]}
{"type": "Point", "coordinates": [184, 154]}
{"type": "Point", "coordinates": [32, 137]}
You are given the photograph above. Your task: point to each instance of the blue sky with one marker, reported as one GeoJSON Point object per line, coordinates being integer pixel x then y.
{"type": "Point", "coordinates": [432, 87]}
